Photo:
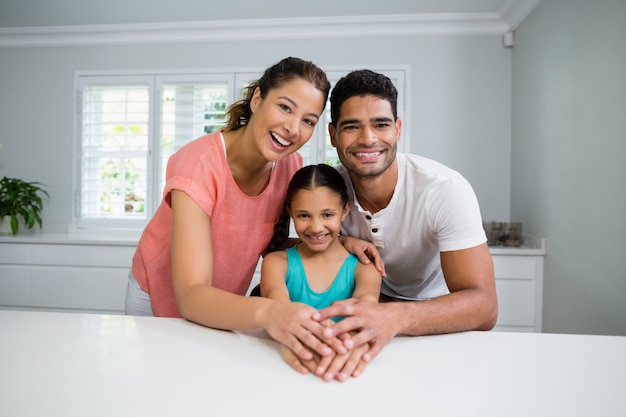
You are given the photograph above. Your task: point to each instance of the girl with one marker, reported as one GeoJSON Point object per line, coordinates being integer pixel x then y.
{"type": "Point", "coordinates": [197, 255]}
{"type": "Point", "coordinates": [319, 270]}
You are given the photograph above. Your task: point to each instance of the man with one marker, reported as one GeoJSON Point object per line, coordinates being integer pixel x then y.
{"type": "Point", "coordinates": [423, 218]}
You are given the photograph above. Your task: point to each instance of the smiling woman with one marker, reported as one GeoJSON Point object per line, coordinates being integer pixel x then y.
{"type": "Point", "coordinates": [227, 186]}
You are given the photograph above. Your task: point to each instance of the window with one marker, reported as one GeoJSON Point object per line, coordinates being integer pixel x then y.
{"type": "Point", "coordinates": [129, 125]}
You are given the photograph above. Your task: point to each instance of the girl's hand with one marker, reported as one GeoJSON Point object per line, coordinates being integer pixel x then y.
{"type": "Point", "coordinates": [333, 366]}
{"type": "Point", "coordinates": [342, 367]}
{"type": "Point", "coordinates": [365, 251]}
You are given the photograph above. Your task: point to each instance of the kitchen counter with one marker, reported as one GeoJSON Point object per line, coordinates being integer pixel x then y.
{"type": "Point", "coordinates": [80, 238]}
{"type": "Point", "coordinates": [531, 246]}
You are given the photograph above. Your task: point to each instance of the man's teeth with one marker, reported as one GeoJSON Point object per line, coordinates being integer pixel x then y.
{"type": "Point", "coordinates": [367, 154]}
{"type": "Point", "coordinates": [280, 141]}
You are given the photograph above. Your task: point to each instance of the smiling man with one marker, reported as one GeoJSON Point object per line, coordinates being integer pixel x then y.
{"type": "Point", "coordinates": [423, 217]}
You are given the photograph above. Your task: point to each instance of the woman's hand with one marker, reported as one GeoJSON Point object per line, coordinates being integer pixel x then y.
{"type": "Point", "coordinates": [365, 251]}
{"type": "Point", "coordinates": [293, 325]}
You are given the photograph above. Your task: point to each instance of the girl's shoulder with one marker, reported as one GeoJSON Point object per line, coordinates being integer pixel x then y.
{"type": "Point", "coordinates": [276, 256]}
{"type": "Point", "coordinates": [369, 269]}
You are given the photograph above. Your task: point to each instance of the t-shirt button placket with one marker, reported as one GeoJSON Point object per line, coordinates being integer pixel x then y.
{"type": "Point", "coordinates": [376, 225]}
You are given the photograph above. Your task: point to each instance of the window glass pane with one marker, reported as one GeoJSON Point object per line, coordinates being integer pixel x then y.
{"type": "Point", "coordinates": [130, 125]}
{"type": "Point", "coordinates": [115, 129]}
{"type": "Point", "coordinates": [188, 111]}
{"type": "Point", "coordinates": [330, 153]}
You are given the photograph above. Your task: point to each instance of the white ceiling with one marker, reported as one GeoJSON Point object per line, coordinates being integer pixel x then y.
{"type": "Point", "coordinates": [33, 13]}
{"type": "Point", "coordinates": [35, 23]}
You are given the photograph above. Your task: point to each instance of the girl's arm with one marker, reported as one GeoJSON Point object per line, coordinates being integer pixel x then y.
{"type": "Point", "coordinates": [291, 324]}
{"type": "Point", "coordinates": [366, 282]}
{"type": "Point", "coordinates": [340, 367]}
{"type": "Point", "coordinates": [273, 273]}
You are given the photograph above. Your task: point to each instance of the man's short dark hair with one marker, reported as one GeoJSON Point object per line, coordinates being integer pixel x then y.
{"type": "Point", "coordinates": [362, 83]}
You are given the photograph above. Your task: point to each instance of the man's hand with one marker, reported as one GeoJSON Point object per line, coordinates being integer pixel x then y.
{"type": "Point", "coordinates": [366, 323]}
{"type": "Point", "coordinates": [364, 250]}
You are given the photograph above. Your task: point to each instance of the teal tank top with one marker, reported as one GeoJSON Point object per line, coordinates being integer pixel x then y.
{"type": "Point", "coordinates": [298, 286]}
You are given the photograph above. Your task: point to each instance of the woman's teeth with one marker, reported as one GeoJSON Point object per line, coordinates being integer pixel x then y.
{"type": "Point", "coordinates": [280, 140]}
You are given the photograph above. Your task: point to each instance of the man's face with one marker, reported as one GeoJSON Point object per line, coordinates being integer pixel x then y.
{"type": "Point", "coordinates": [366, 135]}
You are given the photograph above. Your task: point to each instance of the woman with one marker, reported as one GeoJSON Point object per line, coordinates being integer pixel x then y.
{"type": "Point", "coordinates": [223, 194]}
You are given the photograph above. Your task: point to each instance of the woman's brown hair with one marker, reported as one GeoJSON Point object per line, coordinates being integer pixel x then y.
{"type": "Point", "coordinates": [284, 71]}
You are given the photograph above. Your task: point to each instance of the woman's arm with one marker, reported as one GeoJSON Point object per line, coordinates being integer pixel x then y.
{"type": "Point", "coordinates": [291, 324]}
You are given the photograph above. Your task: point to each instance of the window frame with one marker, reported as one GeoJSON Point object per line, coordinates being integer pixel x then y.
{"type": "Point", "coordinates": [236, 79]}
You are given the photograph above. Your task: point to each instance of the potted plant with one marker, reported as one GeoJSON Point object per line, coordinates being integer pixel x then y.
{"type": "Point", "coordinates": [21, 199]}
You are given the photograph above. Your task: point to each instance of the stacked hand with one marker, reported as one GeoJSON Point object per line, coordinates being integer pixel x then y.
{"type": "Point", "coordinates": [362, 333]}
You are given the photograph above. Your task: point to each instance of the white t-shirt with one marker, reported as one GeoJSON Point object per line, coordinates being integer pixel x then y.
{"type": "Point", "coordinates": [433, 209]}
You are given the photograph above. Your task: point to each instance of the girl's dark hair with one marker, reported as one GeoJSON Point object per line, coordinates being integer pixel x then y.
{"type": "Point", "coordinates": [362, 83]}
{"type": "Point", "coordinates": [279, 74]}
{"type": "Point", "coordinates": [309, 177]}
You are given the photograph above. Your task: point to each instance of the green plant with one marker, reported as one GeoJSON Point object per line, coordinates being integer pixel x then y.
{"type": "Point", "coordinates": [23, 199]}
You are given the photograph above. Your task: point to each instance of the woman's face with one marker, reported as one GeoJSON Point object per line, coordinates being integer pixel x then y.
{"type": "Point", "coordinates": [285, 119]}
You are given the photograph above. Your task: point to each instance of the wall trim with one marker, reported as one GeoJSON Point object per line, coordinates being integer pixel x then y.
{"type": "Point", "coordinates": [515, 11]}
{"type": "Point", "coordinates": [341, 27]}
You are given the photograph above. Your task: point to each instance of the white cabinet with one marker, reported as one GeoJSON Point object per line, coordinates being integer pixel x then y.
{"type": "Point", "coordinates": [519, 284]}
{"type": "Point", "coordinates": [63, 274]}
{"type": "Point", "coordinates": [90, 275]}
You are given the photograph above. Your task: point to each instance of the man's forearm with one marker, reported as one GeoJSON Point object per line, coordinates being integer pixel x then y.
{"type": "Point", "coordinates": [456, 312]}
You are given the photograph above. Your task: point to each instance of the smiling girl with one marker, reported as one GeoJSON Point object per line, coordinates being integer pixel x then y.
{"type": "Point", "coordinates": [319, 270]}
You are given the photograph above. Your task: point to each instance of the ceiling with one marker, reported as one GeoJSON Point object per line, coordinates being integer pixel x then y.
{"type": "Point", "coordinates": [34, 23]}
{"type": "Point", "coordinates": [34, 13]}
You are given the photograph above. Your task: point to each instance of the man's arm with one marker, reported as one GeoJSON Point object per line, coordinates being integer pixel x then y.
{"type": "Point", "coordinates": [471, 305]}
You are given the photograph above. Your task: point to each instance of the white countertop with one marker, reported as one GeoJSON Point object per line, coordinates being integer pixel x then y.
{"type": "Point", "coordinates": [80, 238]}
{"type": "Point", "coordinates": [67, 365]}
{"type": "Point", "coordinates": [531, 246]}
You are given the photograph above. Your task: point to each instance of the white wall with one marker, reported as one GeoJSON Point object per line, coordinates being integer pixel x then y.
{"type": "Point", "coordinates": [460, 101]}
{"type": "Point", "coordinates": [569, 149]}
{"type": "Point", "coordinates": [562, 173]}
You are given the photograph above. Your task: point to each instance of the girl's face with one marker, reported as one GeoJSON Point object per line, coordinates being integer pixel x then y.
{"type": "Point", "coordinates": [317, 215]}
{"type": "Point", "coordinates": [285, 119]}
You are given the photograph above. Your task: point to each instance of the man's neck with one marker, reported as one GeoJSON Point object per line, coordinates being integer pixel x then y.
{"type": "Point", "coordinates": [375, 193]}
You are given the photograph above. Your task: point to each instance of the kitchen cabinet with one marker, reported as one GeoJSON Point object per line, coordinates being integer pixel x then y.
{"type": "Point", "coordinates": [86, 274]}
{"type": "Point", "coordinates": [62, 273]}
{"type": "Point", "coordinates": [519, 284]}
